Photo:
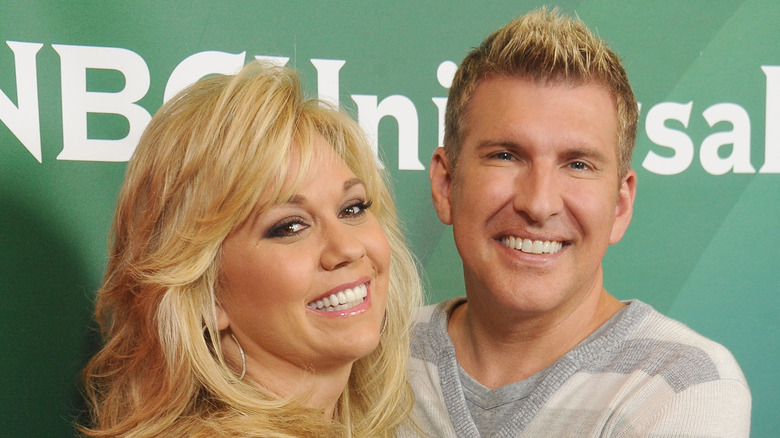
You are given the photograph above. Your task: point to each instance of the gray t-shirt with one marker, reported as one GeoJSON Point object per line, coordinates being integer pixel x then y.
{"type": "Point", "coordinates": [640, 374]}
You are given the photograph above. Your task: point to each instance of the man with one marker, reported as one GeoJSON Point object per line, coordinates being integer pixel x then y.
{"type": "Point", "coordinates": [535, 178]}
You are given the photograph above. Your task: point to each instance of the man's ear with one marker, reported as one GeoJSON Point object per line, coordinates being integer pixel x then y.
{"type": "Point", "coordinates": [624, 208]}
{"type": "Point", "coordinates": [440, 174]}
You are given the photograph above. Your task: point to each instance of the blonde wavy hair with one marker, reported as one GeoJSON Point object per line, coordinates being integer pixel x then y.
{"type": "Point", "coordinates": [202, 164]}
{"type": "Point", "coordinates": [546, 47]}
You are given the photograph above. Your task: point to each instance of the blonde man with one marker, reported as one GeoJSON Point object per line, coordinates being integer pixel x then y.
{"type": "Point", "coordinates": [535, 178]}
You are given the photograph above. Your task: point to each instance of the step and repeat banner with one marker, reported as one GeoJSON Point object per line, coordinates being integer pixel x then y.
{"type": "Point", "coordinates": [80, 80]}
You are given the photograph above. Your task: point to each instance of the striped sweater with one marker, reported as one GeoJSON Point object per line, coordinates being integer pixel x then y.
{"type": "Point", "coordinates": [640, 375]}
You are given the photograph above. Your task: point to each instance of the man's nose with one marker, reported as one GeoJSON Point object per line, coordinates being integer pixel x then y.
{"type": "Point", "coordinates": [538, 194]}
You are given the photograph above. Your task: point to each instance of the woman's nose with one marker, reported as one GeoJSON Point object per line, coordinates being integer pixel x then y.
{"type": "Point", "coordinates": [342, 246]}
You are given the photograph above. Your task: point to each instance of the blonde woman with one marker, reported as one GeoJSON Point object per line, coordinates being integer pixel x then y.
{"type": "Point", "coordinates": [250, 289]}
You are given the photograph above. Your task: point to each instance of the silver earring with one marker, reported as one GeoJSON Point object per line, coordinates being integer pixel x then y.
{"type": "Point", "coordinates": [243, 357]}
{"type": "Point", "coordinates": [384, 324]}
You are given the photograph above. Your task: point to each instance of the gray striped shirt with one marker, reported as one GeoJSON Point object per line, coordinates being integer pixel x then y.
{"type": "Point", "coordinates": [640, 375]}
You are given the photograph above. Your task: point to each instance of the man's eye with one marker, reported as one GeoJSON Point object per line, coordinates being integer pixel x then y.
{"type": "Point", "coordinates": [356, 209]}
{"type": "Point", "coordinates": [579, 165]}
{"type": "Point", "coordinates": [503, 156]}
{"type": "Point", "coordinates": [286, 228]}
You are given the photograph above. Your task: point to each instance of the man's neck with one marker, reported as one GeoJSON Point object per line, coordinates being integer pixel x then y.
{"type": "Point", "coordinates": [497, 350]}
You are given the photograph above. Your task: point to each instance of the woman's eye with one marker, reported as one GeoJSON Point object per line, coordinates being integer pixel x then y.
{"type": "Point", "coordinates": [287, 228]}
{"type": "Point", "coordinates": [356, 209]}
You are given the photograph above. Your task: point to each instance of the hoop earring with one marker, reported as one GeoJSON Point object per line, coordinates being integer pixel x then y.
{"type": "Point", "coordinates": [384, 324]}
{"type": "Point", "coordinates": [243, 357]}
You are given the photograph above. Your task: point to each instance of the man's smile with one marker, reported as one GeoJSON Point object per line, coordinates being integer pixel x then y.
{"type": "Point", "coordinates": [532, 246]}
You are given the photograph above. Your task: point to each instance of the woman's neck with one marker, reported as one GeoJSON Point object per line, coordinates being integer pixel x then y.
{"type": "Point", "coordinates": [317, 387]}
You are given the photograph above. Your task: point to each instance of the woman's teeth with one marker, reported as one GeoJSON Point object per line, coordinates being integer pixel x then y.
{"type": "Point", "coordinates": [343, 300]}
{"type": "Point", "coordinates": [532, 246]}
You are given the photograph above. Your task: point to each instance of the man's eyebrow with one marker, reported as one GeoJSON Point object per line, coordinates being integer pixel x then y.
{"type": "Point", "coordinates": [586, 152]}
{"type": "Point", "coordinates": [497, 143]}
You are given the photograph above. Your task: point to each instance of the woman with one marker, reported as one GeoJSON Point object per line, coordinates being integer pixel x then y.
{"type": "Point", "coordinates": [249, 290]}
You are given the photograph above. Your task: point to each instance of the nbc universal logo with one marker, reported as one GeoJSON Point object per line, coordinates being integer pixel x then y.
{"type": "Point", "coordinates": [677, 150]}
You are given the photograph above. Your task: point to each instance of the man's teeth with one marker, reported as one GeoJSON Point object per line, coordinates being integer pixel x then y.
{"type": "Point", "coordinates": [532, 246]}
{"type": "Point", "coordinates": [343, 300]}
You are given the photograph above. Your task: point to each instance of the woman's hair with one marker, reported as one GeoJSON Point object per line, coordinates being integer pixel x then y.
{"type": "Point", "coordinates": [204, 161]}
{"type": "Point", "coordinates": [545, 47]}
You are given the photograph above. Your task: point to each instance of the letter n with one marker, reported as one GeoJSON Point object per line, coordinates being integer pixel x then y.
{"type": "Point", "coordinates": [23, 120]}
{"type": "Point", "coordinates": [403, 110]}
{"type": "Point", "coordinates": [77, 101]}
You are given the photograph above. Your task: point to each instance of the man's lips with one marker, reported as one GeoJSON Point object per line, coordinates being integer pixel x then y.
{"type": "Point", "coordinates": [532, 246]}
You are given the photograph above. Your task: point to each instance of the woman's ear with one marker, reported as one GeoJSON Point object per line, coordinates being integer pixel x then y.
{"type": "Point", "coordinates": [223, 321]}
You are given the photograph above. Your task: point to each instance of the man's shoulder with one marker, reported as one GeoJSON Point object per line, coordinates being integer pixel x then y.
{"type": "Point", "coordinates": [424, 315]}
{"type": "Point", "coordinates": [442, 309]}
{"type": "Point", "coordinates": [661, 342]}
{"type": "Point", "coordinates": [429, 335]}
{"type": "Point", "coordinates": [654, 372]}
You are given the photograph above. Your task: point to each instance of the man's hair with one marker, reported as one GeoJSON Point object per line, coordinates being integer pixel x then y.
{"type": "Point", "coordinates": [209, 157]}
{"type": "Point", "coordinates": [546, 47]}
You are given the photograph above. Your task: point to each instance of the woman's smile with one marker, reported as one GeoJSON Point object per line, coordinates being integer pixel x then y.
{"type": "Point", "coordinates": [341, 300]}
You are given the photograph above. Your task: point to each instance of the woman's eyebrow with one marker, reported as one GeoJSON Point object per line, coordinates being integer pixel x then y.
{"type": "Point", "coordinates": [298, 199]}
{"type": "Point", "coordinates": [352, 182]}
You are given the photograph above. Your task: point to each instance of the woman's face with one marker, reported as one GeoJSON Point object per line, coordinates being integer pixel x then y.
{"type": "Point", "coordinates": [304, 283]}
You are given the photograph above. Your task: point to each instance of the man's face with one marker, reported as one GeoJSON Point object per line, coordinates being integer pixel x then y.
{"type": "Point", "coordinates": [535, 200]}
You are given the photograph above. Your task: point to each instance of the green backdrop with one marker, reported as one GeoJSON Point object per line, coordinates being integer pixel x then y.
{"type": "Point", "coordinates": [78, 81]}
